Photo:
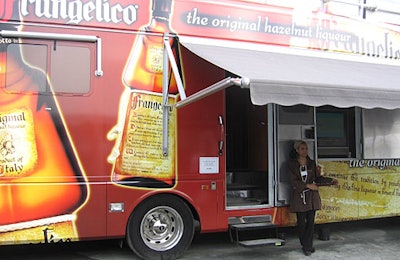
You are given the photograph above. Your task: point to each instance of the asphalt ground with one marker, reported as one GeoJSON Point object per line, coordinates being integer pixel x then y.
{"type": "Point", "coordinates": [372, 239]}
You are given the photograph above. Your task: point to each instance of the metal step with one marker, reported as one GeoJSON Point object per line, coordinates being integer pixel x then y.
{"type": "Point", "coordinates": [244, 226]}
{"type": "Point", "coordinates": [262, 242]}
{"type": "Point", "coordinates": [252, 224]}
{"type": "Point", "coordinates": [250, 219]}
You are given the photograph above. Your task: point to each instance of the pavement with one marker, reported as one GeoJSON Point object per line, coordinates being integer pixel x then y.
{"type": "Point", "coordinates": [368, 240]}
{"type": "Point", "coordinates": [371, 239]}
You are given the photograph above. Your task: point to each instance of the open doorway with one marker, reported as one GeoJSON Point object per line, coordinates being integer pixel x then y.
{"type": "Point", "coordinates": [246, 150]}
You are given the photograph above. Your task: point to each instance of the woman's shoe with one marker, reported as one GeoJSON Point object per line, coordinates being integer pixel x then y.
{"type": "Point", "coordinates": [306, 252]}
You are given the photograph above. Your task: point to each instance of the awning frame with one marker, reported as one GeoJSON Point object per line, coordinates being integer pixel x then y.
{"type": "Point", "coordinates": [184, 100]}
{"type": "Point", "coordinates": [218, 86]}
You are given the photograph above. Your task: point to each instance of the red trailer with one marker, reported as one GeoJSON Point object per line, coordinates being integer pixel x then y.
{"type": "Point", "coordinates": [150, 120]}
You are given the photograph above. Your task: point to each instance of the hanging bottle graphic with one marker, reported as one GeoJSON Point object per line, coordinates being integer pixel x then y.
{"type": "Point", "coordinates": [137, 155]}
{"type": "Point", "coordinates": [41, 181]}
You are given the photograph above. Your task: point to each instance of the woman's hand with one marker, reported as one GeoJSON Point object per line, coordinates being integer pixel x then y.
{"type": "Point", "coordinates": [312, 186]}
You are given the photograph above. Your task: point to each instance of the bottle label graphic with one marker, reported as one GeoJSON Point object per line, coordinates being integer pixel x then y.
{"type": "Point", "coordinates": [48, 230]}
{"type": "Point", "coordinates": [18, 153]}
{"type": "Point", "coordinates": [141, 149]}
{"type": "Point", "coordinates": [137, 154]}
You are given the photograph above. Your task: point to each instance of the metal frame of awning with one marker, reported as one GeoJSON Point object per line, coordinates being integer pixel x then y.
{"type": "Point", "coordinates": [169, 59]}
{"type": "Point", "coordinates": [220, 85]}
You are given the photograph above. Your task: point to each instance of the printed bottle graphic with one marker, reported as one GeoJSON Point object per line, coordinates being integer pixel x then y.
{"type": "Point", "coordinates": [36, 155]}
{"type": "Point", "coordinates": [137, 155]}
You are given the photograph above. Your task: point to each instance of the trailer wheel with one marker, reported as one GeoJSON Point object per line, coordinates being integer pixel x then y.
{"type": "Point", "coordinates": [160, 228]}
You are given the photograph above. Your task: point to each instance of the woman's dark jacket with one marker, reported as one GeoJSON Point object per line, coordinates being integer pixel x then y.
{"type": "Point", "coordinates": [302, 198]}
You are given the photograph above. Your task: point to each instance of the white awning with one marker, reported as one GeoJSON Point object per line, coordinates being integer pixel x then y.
{"type": "Point", "coordinates": [289, 76]}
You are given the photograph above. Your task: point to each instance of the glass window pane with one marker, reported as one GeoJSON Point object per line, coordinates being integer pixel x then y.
{"type": "Point", "coordinates": [22, 61]}
{"type": "Point", "coordinates": [70, 69]}
{"type": "Point", "coordinates": [336, 132]}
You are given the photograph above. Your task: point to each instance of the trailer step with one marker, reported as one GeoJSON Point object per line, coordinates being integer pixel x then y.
{"type": "Point", "coordinates": [251, 231]}
{"type": "Point", "coordinates": [250, 219]}
{"type": "Point", "coordinates": [252, 225]}
{"type": "Point", "coordinates": [262, 242]}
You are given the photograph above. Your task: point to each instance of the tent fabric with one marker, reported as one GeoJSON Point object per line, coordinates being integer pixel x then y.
{"type": "Point", "coordinates": [289, 76]}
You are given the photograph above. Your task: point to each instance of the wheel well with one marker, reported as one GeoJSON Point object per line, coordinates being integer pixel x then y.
{"type": "Point", "coordinates": [196, 217]}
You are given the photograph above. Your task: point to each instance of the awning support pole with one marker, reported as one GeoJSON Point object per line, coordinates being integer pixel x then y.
{"type": "Point", "coordinates": [220, 85]}
{"type": "Point", "coordinates": [169, 58]}
{"type": "Point", "coordinates": [165, 100]}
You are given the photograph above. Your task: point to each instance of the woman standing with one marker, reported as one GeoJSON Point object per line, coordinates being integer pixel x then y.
{"type": "Point", "coordinates": [305, 200]}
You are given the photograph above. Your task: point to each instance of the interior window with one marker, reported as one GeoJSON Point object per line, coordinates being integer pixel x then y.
{"type": "Point", "coordinates": [335, 132]}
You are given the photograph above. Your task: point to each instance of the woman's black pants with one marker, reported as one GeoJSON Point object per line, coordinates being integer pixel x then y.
{"type": "Point", "coordinates": [305, 225]}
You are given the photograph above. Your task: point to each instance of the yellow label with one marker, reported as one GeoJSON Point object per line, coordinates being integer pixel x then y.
{"type": "Point", "coordinates": [52, 233]}
{"type": "Point", "coordinates": [366, 189]}
{"type": "Point", "coordinates": [141, 152]}
{"type": "Point", "coordinates": [18, 153]}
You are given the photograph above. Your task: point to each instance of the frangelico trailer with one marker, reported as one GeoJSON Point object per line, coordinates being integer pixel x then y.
{"type": "Point", "coordinates": [151, 120]}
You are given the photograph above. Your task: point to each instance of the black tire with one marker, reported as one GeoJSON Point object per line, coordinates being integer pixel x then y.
{"type": "Point", "coordinates": [162, 227]}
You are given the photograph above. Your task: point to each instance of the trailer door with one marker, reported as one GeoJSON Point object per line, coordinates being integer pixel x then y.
{"type": "Point", "coordinates": [293, 123]}
{"type": "Point", "coordinates": [249, 174]}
